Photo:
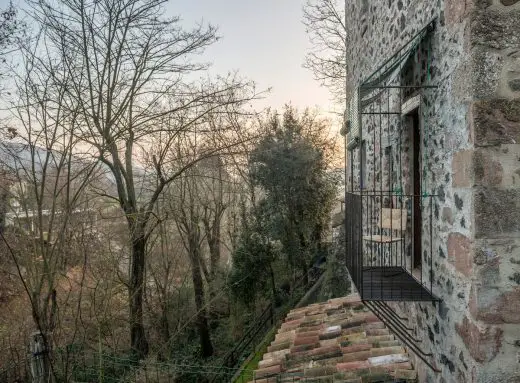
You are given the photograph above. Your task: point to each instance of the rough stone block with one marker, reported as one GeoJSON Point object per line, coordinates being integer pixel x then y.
{"type": "Point", "coordinates": [487, 171]}
{"type": "Point", "coordinates": [497, 212]}
{"type": "Point", "coordinates": [489, 274]}
{"type": "Point", "coordinates": [509, 157]}
{"type": "Point", "coordinates": [487, 68]}
{"type": "Point", "coordinates": [456, 10]}
{"type": "Point", "coordinates": [460, 253]}
{"type": "Point", "coordinates": [482, 4]}
{"type": "Point", "coordinates": [514, 85]}
{"type": "Point", "coordinates": [510, 85]}
{"type": "Point", "coordinates": [461, 167]}
{"type": "Point", "coordinates": [496, 29]}
{"type": "Point", "coordinates": [508, 3]}
{"type": "Point", "coordinates": [483, 342]}
{"type": "Point", "coordinates": [447, 215]}
{"type": "Point", "coordinates": [491, 305]}
{"type": "Point", "coordinates": [496, 122]}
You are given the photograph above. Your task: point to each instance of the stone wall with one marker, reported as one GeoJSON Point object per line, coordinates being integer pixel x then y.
{"type": "Point", "coordinates": [473, 147]}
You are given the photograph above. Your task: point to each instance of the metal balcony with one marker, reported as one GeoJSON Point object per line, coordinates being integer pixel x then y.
{"type": "Point", "coordinates": [382, 249]}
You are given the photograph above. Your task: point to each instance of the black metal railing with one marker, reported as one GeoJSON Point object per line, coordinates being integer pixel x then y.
{"type": "Point", "coordinates": [353, 232]}
{"type": "Point", "coordinates": [399, 328]}
{"type": "Point", "coordinates": [385, 233]}
{"type": "Point", "coordinates": [266, 321]}
{"type": "Point", "coordinates": [257, 330]}
{"type": "Point", "coordinates": [389, 245]}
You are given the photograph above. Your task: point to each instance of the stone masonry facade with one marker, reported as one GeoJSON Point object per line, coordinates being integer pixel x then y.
{"type": "Point", "coordinates": [473, 147]}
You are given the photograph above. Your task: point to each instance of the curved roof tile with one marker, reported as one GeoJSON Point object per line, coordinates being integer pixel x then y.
{"type": "Point", "coordinates": [335, 341]}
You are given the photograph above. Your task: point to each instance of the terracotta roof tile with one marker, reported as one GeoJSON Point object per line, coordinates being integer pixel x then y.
{"type": "Point", "coordinates": [328, 342]}
{"type": "Point", "coordinates": [301, 340]}
{"type": "Point", "coordinates": [356, 348]}
{"type": "Point", "coordinates": [357, 356]}
{"type": "Point", "coordinates": [349, 366]}
{"type": "Point", "coordinates": [335, 341]}
{"type": "Point", "coordinates": [321, 371]}
{"type": "Point", "coordinates": [268, 363]}
{"type": "Point", "coordinates": [268, 371]}
{"type": "Point", "coordinates": [279, 346]}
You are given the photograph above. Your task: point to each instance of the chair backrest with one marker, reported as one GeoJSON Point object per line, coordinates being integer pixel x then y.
{"type": "Point", "coordinates": [394, 219]}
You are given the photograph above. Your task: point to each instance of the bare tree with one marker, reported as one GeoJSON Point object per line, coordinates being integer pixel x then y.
{"type": "Point", "coordinates": [325, 25]}
{"type": "Point", "coordinates": [166, 296]}
{"type": "Point", "coordinates": [214, 207]}
{"type": "Point", "coordinates": [188, 218]}
{"type": "Point", "coordinates": [11, 27]}
{"type": "Point", "coordinates": [46, 200]}
{"type": "Point", "coordinates": [130, 71]}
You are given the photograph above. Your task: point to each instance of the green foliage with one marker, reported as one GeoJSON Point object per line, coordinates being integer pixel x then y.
{"type": "Point", "coordinates": [282, 233]}
{"type": "Point", "coordinates": [290, 166]}
{"type": "Point", "coordinates": [337, 281]}
{"type": "Point", "coordinates": [252, 259]}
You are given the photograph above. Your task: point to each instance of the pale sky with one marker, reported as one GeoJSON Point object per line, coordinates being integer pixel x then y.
{"type": "Point", "coordinates": [264, 40]}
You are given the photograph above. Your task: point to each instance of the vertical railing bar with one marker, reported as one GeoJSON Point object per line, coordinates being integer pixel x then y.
{"type": "Point", "coordinates": [382, 258]}
{"type": "Point", "coordinates": [359, 244]}
{"type": "Point", "coordinates": [360, 228]}
{"type": "Point", "coordinates": [370, 227]}
{"type": "Point", "coordinates": [403, 246]}
{"type": "Point", "coordinates": [431, 245]}
{"type": "Point", "coordinates": [390, 181]}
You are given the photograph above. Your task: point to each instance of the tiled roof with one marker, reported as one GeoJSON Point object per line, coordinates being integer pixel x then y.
{"type": "Point", "coordinates": [336, 341]}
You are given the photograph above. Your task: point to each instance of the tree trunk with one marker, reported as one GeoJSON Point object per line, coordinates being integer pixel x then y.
{"type": "Point", "coordinates": [214, 251]}
{"type": "Point", "coordinates": [44, 316]}
{"type": "Point", "coordinates": [198, 288]}
{"type": "Point", "coordinates": [214, 254]}
{"type": "Point", "coordinates": [3, 209]}
{"type": "Point", "coordinates": [164, 327]}
{"type": "Point", "coordinates": [139, 343]}
{"type": "Point", "coordinates": [40, 361]}
{"type": "Point", "coordinates": [213, 240]}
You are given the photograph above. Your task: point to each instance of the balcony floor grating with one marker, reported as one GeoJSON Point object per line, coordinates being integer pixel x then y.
{"type": "Point", "coordinates": [392, 284]}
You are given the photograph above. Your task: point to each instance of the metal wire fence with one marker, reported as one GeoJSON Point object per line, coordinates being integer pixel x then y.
{"type": "Point", "coordinates": [82, 368]}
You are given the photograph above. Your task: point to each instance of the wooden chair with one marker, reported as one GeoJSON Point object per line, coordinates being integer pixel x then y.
{"type": "Point", "coordinates": [393, 220]}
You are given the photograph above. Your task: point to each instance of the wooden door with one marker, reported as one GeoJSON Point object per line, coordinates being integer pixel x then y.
{"type": "Point", "coordinates": [416, 189]}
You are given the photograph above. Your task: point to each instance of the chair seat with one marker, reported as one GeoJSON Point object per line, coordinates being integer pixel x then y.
{"type": "Point", "coordinates": [381, 238]}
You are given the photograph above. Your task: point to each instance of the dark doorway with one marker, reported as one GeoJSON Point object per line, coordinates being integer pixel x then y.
{"type": "Point", "coordinates": [416, 188]}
